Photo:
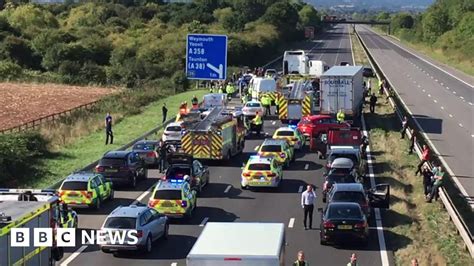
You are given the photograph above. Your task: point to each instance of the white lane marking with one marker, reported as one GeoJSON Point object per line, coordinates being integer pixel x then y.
{"type": "Point", "coordinates": [454, 92]}
{"type": "Point", "coordinates": [424, 90]}
{"type": "Point", "coordinates": [300, 189]}
{"type": "Point", "coordinates": [291, 223]}
{"type": "Point", "coordinates": [174, 264]}
{"type": "Point", "coordinates": [306, 167]}
{"type": "Point", "coordinates": [472, 135]}
{"type": "Point", "coordinates": [442, 84]}
{"type": "Point", "coordinates": [470, 103]}
{"type": "Point", "coordinates": [419, 86]}
{"type": "Point", "coordinates": [143, 195]}
{"type": "Point", "coordinates": [429, 95]}
{"type": "Point", "coordinates": [450, 115]}
{"type": "Point", "coordinates": [378, 217]}
{"type": "Point", "coordinates": [414, 81]}
{"type": "Point", "coordinates": [256, 148]}
{"type": "Point", "coordinates": [204, 221]}
{"type": "Point", "coordinates": [227, 189]}
{"type": "Point", "coordinates": [73, 256]}
{"type": "Point", "coordinates": [435, 101]}
{"type": "Point", "coordinates": [436, 80]}
{"type": "Point", "coordinates": [274, 122]}
{"type": "Point", "coordinates": [442, 107]}
{"type": "Point", "coordinates": [461, 97]}
{"type": "Point", "coordinates": [460, 125]}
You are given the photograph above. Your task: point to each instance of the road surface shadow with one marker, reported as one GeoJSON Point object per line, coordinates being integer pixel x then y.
{"type": "Point", "coordinates": [287, 186]}
{"type": "Point", "coordinates": [217, 190]}
{"type": "Point", "coordinates": [301, 166]}
{"type": "Point", "coordinates": [211, 213]}
{"type": "Point", "coordinates": [430, 125]}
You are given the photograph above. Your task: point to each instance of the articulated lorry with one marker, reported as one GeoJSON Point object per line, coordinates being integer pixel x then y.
{"type": "Point", "coordinates": [341, 87]}
{"type": "Point", "coordinates": [239, 244]}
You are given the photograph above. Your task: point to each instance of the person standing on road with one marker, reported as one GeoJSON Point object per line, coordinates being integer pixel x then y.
{"type": "Point", "coordinates": [266, 102]}
{"type": "Point", "coordinates": [300, 259]}
{"type": "Point", "coordinates": [164, 111]}
{"type": "Point", "coordinates": [412, 141]}
{"type": "Point", "coordinates": [425, 156]}
{"type": "Point", "coordinates": [340, 116]}
{"type": "Point", "coordinates": [372, 102]}
{"type": "Point", "coordinates": [353, 261]}
{"type": "Point", "coordinates": [163, 153]}
{"type": "Point", "coordinates": [194, 102]}
{"type": "Point", "coordinates": [438, 182]}
{"type": "Point", "coordinates": [308, 199]}
{"type": "Point", "coordinates": [404, 127]}
{"type": "Point", "coordinates": [108, 129]}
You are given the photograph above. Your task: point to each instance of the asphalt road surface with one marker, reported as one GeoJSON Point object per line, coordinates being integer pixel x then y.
{"type": "Point", "coordinates": [440, 98]}
{"type": "Point", "coordinates": [224, 201]}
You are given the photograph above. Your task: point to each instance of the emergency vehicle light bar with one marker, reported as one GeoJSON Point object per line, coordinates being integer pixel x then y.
{"type": "Point", "coordinates": [176, 180]}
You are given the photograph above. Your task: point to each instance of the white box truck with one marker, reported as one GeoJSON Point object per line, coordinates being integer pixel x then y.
{"type": "Point", "coordinates": [242, 244]}
{"type": "Point", "coordinates": [341, 87]}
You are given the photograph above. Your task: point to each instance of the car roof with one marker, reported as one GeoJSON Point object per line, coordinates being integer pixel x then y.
{"type": "Point", "coordinates": [132, 211]}
{"type": "Point", "coordinates": [343, 149]}
{"type": "Point", "coordinates": [174, 184]}
{"type": "Point", "coordinates": [117, 154]}
{"type": "Point", "coordinates": [174, 124]}
{"type": "Point", "coordinates": [253, 102]}
{"type": "Point", "coordinates": [145, 141]}
{"type": "Point", "coordinates": [286, 129]}
{"type": "Point", "coordinates": [316, 117]}
{"type": "Point", "coordinates": [356, 187]}
{"type": "Point", "coordinates": [260, 159]}
{"type": "Point", "coordinates": [80, 177]}
{"type": "Point", "coordinates": [343, 204]}
{"type": "Point", "coordinates": [342, 163]}
{"type": "Point", "coordinates": [273, 142]}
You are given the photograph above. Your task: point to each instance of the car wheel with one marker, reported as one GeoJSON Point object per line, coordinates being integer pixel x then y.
{"type": "Point", "coordinates": [166, 233]}
{"type": "Point", "coordinates": [133, 181]}
{"type": "Point", "coordinates": [76, 222]}
{"type": "Point", "coordinates": [148, 245]}
{"type": "Point", "coordinates": [324, 199]}
{"type": "Point", "coordinates": [97, 204]}
{"type": "Point", "coordinates": [111, 196]}
{"type": "Point", "coordinates": [244, 187]}
{"type": "Point", "coordinates": [144, 173]}
{"type": "Point", "coordinates": [106, 250]}
{"type": "Point", "coordinates": [322, 241]}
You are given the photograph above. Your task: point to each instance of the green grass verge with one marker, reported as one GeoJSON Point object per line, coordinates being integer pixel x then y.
{"type": "Point", "coordinates": [89, 148]}
{"type": "Point", "coordinates": [416, 229]}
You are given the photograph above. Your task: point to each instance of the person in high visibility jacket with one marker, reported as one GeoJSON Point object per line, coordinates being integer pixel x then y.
{"type": "Point", "coordinates": [266, 102]}
{"type": "Point", "coordinates": [195, 102]}
{"type": "Point", "coordinates": [230, 88]}
{"type": "Point", "coordinates": [258, 123]}
{"type": "Point", "coordinates": [341, 117]}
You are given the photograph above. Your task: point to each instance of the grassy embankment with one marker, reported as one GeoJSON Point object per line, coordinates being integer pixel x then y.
{"type": "Point", "coordinates": [415, 229]}
{"type": "Point", "coordinates": [83, 150]}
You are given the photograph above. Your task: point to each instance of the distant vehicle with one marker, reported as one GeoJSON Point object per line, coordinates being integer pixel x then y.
{"type": "Point", "coordinates": [261, 172]}
{"type": "Point", "coordinates": [349, 152]}
{"type": "Point", "coordinates": [335, 177]}
{"type": "Point", "coordinates": [368, 72]}
{"type": "Point", "coordinates": [271, 73]}
{"type": "Point", "coordinates": [291, 134]}
{"type": "Point", "coordinates": [214, 100]}
{"type": "Point", "coordinates": [278, 148]}
{"type": "Point", "coordinates": [259, 244]}
{"type": "Point", "coordinates": [314, 125]}
{"type": "Point", "coordinates": [181, 164]}
{"type": "Point", "coordinates": [259, 86]}
{"type": "Point", "coordinates": [338, 137]}
{"type": "Point", "coordinates": [85, 190]}
{"type": "Point", "coordinates": [150, 225]}
{"type": "Point", "coordinates": [147, 150]}
{"type": "Point", "coordinates": [122, 167]}
{"type": "Point", "coordinates": [174, 198]}
{"type": "Point", "coordinates": [343, 221]}
{"type": "Point", "coordinates": [295, 62]}
{"type": "Point", "coordinates": [344, 63]}
{"type": "Point", "coordinates": [252, 107]}
{"type": "Point", "coordinates": [317, 68]}
{"type": "Point", "coordinates": [173, 133]}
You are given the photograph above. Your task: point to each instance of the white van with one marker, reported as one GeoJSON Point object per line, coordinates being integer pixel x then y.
{"type": "Point", "coordinates": [317, 68]}
{"type": "Point", "coordinates": [262, 85]}
{"type": "Point", "coordinates": [214, 100]}
{"type": "Point", "coordinates": [295, 62]}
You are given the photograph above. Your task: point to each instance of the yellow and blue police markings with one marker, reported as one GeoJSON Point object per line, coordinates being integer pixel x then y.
{"type": "Point", "coordinates": [261, 172]}
{"type": "Point", "coordinates": [278, 148]}
{"type": "Point", "coordinates": [292, 135]}
{"type": "Point", "coordinates": [173, 198]}
{"type": "Point", "coordinates": [84, 190]}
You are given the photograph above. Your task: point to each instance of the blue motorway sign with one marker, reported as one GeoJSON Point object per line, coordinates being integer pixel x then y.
{"type": "Point", "coordinates": [206, 57]}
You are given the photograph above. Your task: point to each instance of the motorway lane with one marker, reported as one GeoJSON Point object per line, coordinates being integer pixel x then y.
{"type": "Point", "coordinates": [442, 105]}
{"type": "Point", "coordinates": [335, 47]}
{"type": "Point", "coordinates": [215, 204]}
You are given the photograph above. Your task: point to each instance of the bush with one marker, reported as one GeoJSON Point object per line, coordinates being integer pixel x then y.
{"type": "Point", "coordinates": [10, 70]}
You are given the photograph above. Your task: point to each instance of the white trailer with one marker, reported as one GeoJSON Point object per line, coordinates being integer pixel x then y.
{"type": "Point", "coordinates": [242, 244]}
{"type": "Point", "coordinates": [341, 87]}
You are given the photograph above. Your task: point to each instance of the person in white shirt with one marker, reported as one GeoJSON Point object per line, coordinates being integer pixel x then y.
{"type": "Point", "coordinates": [308, 199]}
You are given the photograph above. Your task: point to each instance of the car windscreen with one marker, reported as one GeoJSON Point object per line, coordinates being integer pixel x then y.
{"type": "Point", "coordinates": [271, 148]}
{"type": "Point", "coordinates": [121, 223]}
{"type": "Point", "coordinates": [174, 128]}
{"type": "Point", "coordinates": [74, 185]}
{"type": "Point", "coordinates": [252, 105]}
{"type": "Point", "coordinates": [339, 171]}
{"type": "Point", "coordinates": [145, 147]}
{"type": "Point", "coordinates": [285, 133]}
{"type": "Point", "coordinates": [168, 194]}
{"type": "Point", "coordinates": [112, 161]}
{"type": "Point", "coordinates": [348, 196]}
{"type": "Point", "coordinates": [343, 178]}
{"type": "Point", "coordinates": [334, 156]}
{"type": "Point", "coordinates": [178, 172]}
{"type": "Point", "coordinates": [344, 212]}
{"type": "Point", "coordinates": [259, 167]}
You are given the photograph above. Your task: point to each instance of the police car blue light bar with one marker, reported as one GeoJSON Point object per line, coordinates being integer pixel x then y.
{"type": "Point", "coordinates": [176, 180]}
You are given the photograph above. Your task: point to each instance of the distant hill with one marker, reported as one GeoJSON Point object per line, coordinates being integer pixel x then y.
{"type": "Point", "coordinates": [372, 4]}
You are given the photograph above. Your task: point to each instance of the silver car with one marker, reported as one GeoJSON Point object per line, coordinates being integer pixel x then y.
{"type": "Point", "coordinates": [149, 224]}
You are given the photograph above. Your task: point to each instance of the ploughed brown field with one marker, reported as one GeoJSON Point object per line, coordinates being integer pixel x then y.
{"type": "Point", "coordinates": [23, 102]}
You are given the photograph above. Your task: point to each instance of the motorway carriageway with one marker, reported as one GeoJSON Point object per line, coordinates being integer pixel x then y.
{"type": "Point", "coordinates": [441, 100]}
{"type": "Point", "coordinates": [224, 201]}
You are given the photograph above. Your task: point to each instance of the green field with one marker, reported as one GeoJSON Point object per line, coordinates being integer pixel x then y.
{"type": "Point", "coordinates": [87, 149]}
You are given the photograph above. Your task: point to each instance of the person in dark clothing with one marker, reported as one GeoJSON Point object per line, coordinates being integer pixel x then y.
{"type": "Point", "coordinates": [404, 127]}
{"type": "Point", "coordinates": [163, 152]}
{"type": "Point", "coordinates": [300, 260]}
{"type": "Point", "coordinates": [412, 141]}
{"type": "Point", "coordinates": [108, 130]}
{"type": "Point", "coordinates": [164, 110]}
{"type": "Point", "coordinates": [373, 102]}
{"type": "Point", "coordinates": [427, 175]}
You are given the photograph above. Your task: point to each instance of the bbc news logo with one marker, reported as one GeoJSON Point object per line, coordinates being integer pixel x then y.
{"type": "Point", "coordinates": [66, 237]}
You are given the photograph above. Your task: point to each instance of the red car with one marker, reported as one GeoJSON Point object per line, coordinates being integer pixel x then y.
{"type": "Point", "coordinates": [317, 124]}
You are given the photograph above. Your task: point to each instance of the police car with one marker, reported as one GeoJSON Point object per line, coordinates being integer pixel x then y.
{"type": "Point", "coordinates": [84, 190]}
{"type": "Point", "coordinates": [174, 198]}
{"type": "Point", "coordinates": [291, 134]}
{"type": "Point", "coordinates": [261, 172]}
{"type": "Point", "coordinates": [278, 148]}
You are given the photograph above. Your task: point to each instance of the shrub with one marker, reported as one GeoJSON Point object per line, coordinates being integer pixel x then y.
{"type": "Point", "coordinates": [10, 70]}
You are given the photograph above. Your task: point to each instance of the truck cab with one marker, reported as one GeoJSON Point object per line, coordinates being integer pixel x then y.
{"type": "Point", "coordinates": [295, 62]}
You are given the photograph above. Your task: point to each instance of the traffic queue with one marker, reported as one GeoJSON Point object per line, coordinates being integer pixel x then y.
{"type": "Point", "coordinates": [217, 128]}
